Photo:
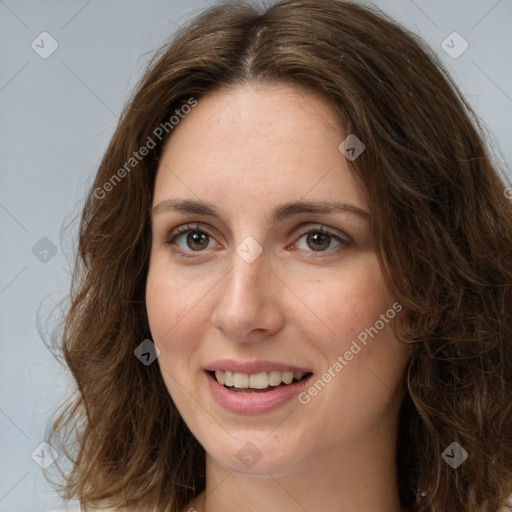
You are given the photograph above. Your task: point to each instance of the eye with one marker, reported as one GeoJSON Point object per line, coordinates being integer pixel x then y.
{"type": "Point", "coordinates": [321, 240]}
{"type": "Point", "coordinates": [190, 238]}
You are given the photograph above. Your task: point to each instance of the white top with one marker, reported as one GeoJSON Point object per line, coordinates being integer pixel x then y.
{"type": "Point", "coordinates": [92, 510]}
{"type": "Point", "coordinates": [506, 509]}
{"type": "Point", "coordinates": [79, 510]}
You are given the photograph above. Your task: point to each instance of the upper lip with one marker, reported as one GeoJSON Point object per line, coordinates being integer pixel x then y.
{"type": "Point", "coordinates": [253, 366]}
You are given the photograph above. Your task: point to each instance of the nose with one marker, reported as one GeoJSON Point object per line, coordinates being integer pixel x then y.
{"type": "Point", "coordinates": [248, 303]}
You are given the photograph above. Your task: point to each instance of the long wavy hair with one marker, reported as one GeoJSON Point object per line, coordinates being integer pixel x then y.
{"type": "Point", "coordinates": [443, 230]}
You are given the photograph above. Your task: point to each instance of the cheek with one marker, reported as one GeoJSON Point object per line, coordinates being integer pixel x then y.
{"type": "Point", "coordinates": [359, 312]}
{"type": "Point", "coordinates": [168, 303]}
{"type": "Point", "coordinates": [351, 302]}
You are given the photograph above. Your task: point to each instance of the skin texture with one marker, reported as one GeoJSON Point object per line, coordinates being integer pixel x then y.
{"type": "Point", "coordinates": [246, 151]}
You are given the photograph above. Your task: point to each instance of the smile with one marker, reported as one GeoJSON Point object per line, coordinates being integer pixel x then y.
{"type": "Point", "coordinates": [255, 393]}
{"type": "Point", "coordinates": [256, 382]}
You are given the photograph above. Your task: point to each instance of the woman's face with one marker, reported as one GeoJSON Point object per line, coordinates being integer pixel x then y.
{"type": "Point", "coordinates": [252, 288]}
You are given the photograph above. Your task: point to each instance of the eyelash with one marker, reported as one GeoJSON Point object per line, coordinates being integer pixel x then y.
{"type": "Point", "coordinates": [188, 228]}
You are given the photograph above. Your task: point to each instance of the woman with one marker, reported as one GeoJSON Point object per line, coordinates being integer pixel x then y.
{"type": "Point", "coordinates": [293, 282]}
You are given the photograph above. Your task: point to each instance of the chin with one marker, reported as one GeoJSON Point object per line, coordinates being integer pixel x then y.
{"type": "Point", "coordinates": [255, 454]}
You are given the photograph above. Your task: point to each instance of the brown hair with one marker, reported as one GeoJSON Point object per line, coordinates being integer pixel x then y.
{"type": "Point", "coordinates": [442, 225]}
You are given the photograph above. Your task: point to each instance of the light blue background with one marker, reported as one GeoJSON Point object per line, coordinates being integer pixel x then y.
{"type": "Point", "coordinates": [56, 118]}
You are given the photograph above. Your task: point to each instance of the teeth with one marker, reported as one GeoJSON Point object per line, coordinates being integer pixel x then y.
{"type": "Point", "coordinates": [241, 380]}
{"type": "Point", "coordinates": [228, 378]}
{"type": "Point", "coordinates": [274, 378]}
{"type": "Point", "coordinates": [287, 377]}
{"type": "Point", "coordinates": [260, 380]}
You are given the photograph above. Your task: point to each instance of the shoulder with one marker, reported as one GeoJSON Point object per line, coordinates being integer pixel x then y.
{"type": "Point", "coordinates": [508, 507]}
{"type": "Point", "coordinates": [78, 509]}
{"type": "Point", "coordinates": [66, 510]}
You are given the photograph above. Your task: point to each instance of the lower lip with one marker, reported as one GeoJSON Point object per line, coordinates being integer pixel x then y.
{"type": "Point", "coordinates": [253, 403]}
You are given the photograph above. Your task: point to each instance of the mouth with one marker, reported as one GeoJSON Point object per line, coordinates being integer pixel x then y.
{"type": "Point", "coordinates": [261, 382]}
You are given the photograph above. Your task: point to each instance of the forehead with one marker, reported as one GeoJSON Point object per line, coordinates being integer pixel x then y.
{"type": "Point", "coordinates": [256, 143]}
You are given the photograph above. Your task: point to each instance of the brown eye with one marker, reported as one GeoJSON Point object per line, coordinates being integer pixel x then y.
{"type": "Point", "coordinates": [190, 238]}
{"type": "Point", "coordinates": [318, 241]}
{"type": "Point", "coordinates": [197, 240]}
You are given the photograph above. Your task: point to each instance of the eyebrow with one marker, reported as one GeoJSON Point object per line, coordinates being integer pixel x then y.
{"type": "Point", "coordinates": [280, 212]}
